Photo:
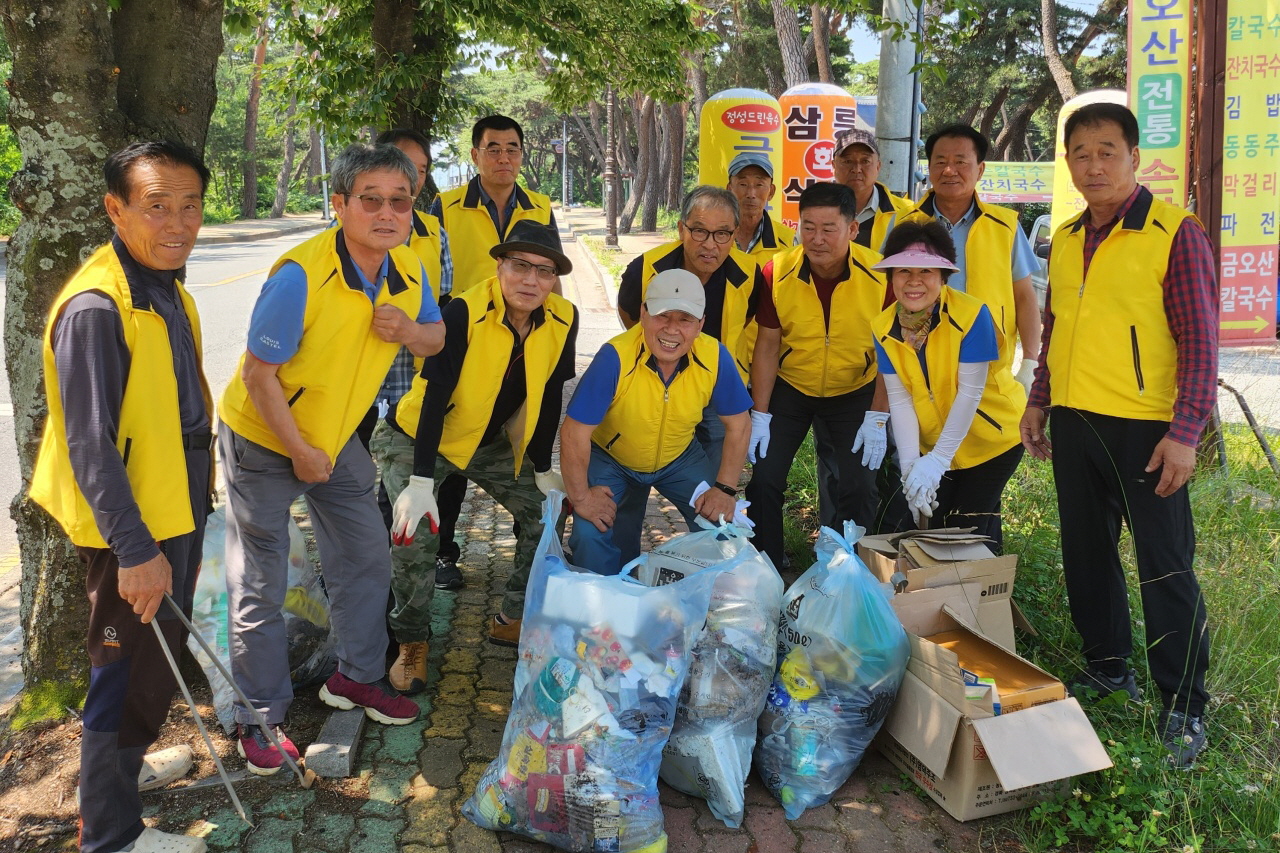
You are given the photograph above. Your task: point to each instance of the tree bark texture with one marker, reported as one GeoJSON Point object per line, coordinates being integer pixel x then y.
{"type": "Point", "coordinates": [820, 18]}
{"type": "Point", "coordinates": [286, 165]}
{"type": "Point", "coordinates": [86, 81]}
{"type": "Point", "coordinates": [654, 179]}
{"type": "Point", "coordinates": [1052, 56]}
{"type": "Point", "coordinates": [249, 173]}
{"type": "Point", "coordinates": [643, 162]}
{"type": "Point", "coordinates": [676, 124]}
{"type": "Point", "coordinates": [794, 68]}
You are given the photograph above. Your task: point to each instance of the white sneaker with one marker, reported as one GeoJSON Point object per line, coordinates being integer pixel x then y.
{"type": "Point", "coordinates": [161, 768]}
{"type": "Point", "coordinates": [154, 841]}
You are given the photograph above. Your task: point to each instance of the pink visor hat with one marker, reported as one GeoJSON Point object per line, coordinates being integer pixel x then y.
{"type": "Point", "coordinates": [918, 256]}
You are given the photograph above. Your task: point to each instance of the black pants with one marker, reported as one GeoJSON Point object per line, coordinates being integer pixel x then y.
{"type": "Point", "coordinates": [453, 490]}
{"type": "Point", "coordinates": [970, 497]}
{"type": "Point", "coordinates": [130, 683]}
{"type": "Point", "coordinates": [835, 422]}
{"type": "Point", "coordinates": [1098, 464]}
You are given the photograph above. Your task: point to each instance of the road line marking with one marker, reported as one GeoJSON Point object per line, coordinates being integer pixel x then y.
{"type": "Point", "coordinates": [229, 280]}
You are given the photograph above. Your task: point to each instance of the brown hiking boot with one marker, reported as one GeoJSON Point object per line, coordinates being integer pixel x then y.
{"type": "Point", "coordinates": [409, 673]}
{"type": "Point", "coordinates": [504, 633]}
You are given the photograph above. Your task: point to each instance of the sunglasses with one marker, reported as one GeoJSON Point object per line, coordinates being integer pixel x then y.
{"type": "Point", "coordinates": [374, 203]}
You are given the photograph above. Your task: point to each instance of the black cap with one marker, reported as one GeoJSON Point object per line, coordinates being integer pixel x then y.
{"type": "Point", "coordinates": [526, 236]}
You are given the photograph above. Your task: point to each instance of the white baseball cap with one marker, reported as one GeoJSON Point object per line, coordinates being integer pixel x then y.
{"type": "Point", "coordinates": [676, 290]}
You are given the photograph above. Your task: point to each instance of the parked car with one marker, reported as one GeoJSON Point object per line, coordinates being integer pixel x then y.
{"type": "Point", "coordinates": [1040, 236]}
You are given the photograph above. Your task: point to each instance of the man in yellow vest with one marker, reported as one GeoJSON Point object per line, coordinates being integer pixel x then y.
{"type": "Point", "coordinates": [814, 365]}
{"type": "Point", "coordinates": [1127, 379]}
{"type": "Point", "coordinates": [751, 181]}
{"type": "Point", "coordinates": [479, 215]}
{"type": "Point", "coordinates": [856, 163]}
{"type": "Point", "coordinates": [486, 407]}
{"type": "Point", "coordinates": [992, 251]}
{"type": "Point", "coordinates": [124, 467]}
{"type": "Point", "coordinates": [630, 426]}
{"type": "Point", "coordinates": [324, 331]}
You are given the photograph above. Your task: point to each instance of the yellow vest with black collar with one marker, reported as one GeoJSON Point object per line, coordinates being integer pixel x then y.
{"type": "Point", "coordinates": [737, 331]}
{"type": "Point", "coordinates": [994, 429]}
{"type": "Point", "coordinates": [150, 429]}
{"type": "Point", "coordinates": [489, 342]}
{"type": "Point", "coordinates": [333, 378]}
{"type": "Point", "coordinates": [775, 238]}
{"type": "Point", "coordinates": [988, 263]}
{"type": "Point", "coordinates": [890, 206]}
{"type": "Point", "coordinates": [472, 232]}
{"type": "Point", "coordinates": [424, 240]}
{"type": "Point", "coordinates": [650, 423]}
{"type": "Point", "coordinates": [814, 359]}
{"type": "Point", "coordinates": [1111, 351]}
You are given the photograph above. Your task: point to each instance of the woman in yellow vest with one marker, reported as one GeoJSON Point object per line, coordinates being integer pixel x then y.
{"type": "Point", "coordinates": [954, 405]}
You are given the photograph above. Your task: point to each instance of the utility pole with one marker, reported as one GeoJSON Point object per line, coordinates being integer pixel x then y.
{"type": "Point", "coordinates": [894, 104]}
{"type": "Point", "coordinates": [564, 166]}
{"type": "Point", "coordinates": [915, 104]}
{"type": "Point", "coordinates": [610, 175]}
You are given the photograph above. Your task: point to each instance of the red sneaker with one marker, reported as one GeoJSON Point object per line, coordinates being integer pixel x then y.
{"type": "Point", "coordinates": [381, 702]}
{"type": "Point", "coordinates": [260, 755]}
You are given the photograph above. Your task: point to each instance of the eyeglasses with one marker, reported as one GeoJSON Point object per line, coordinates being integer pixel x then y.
{"type": "Point", "coordinates": [374, 203]}
{"type": "Point", "coordinates": [521, 268]}
{"type": "Point", "coordinates": [700, 235]}
{"type": "Point", "coordinates": [495, 151]}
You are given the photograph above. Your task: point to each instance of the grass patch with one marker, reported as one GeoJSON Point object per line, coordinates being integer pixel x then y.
{"type": "Point", "coordinates": [46, 701]}
{"type": "Point", "coordinates": [611, 259]}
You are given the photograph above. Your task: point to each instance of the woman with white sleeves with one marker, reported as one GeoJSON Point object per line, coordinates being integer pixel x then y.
{"type": "Point", "coordinates": [954, 406]}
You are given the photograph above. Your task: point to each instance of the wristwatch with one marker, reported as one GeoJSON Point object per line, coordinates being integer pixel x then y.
{"type": "Point", "coordinates": [728, 490]}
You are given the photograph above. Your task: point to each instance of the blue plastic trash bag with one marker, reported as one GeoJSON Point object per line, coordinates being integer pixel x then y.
{"type": "Point", "coordinates": [709, 752]}
{"type": "Point", "coordinates": [841, 656]}
{"type": "Point", "coordinates": [602, 661]}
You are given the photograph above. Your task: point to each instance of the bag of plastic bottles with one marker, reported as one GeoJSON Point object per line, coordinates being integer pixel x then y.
{"type": "Point", "coordinates": [312, 647]}
{"type": "Point", "coordinates": [709, 752]}
{"type": "Point", "coordinates": [842, 653]}
{"type": "Point", "coordinates": [602, 661]}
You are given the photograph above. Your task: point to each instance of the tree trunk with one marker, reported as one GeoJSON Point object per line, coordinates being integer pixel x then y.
{"type": "Point", "coordinates": [644, 161]}
{"type": "Point", "coordinates": [820, 17]}
{"type": "Point", "coordinates": [992, 111]}
{"type": "Point", "coordinates": [654, 179]}
{"type": "Point", "coordinates": [286, 165]}
{"type": "Point", "coordinates": [314, 168]}
{"type": "Point", "coordinates": [249, 183]}
{"type": "Point", "coordinates": [1052, 57]}
{"type": "Point", "coordinates": [86, 81]}
{"type": "Point", "coordinates": [698, 83]}
{"type": "Point", "coordinates": [794, 68]}
{"type": "Point", "coordinates": [675, 166]}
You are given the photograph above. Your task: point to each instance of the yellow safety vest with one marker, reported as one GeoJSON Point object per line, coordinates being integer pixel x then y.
{"type": "Point", "coordinates": [650, 423]}
{"type": "Point", "coordinates": [995, 426]}
{"type": "Point", "coordinates": [472, 232]}
{"type": "Point", "coordinates": [424, 240]}
{"type": "Point", "coordinates": [814, 359]}
{"type": "Point", "coordinates": [773, 239]}
{"type": "Point", "coordinates": [1111, 351]}
{"type": "Point", "coordinates": [333, 378]}
{"type": "Point", "coordinates": [737, 330]}
{"type": "Point", "coordinates": [150, 434]}
{"type": "Point", "coordinates": [489, 342]}
{"type": "Point", "coordinates": [890, 207]}
{"type": "Point", "coordinates": [988, 264]}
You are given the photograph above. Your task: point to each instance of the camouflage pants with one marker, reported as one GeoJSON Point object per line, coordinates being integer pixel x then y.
{"type": "Point", "coordinates": [413, 566]}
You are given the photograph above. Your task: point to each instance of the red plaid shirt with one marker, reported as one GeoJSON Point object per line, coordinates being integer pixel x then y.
{"type": "Point", "coordinates": [1191, 308]}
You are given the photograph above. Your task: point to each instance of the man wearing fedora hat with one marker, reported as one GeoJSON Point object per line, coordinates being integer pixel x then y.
{"type": "Point", "coordinates": [486, 407]}
{"type": "Point", "coordinates": [630, 426]}
{"type": "Point", "coordinates": [856, 163]}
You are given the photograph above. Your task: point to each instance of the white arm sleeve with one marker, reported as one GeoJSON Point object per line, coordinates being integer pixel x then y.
{"type": "Point", "coordinates": [970, 380]}
{"type": "Point", "coordinates": [902, 417]}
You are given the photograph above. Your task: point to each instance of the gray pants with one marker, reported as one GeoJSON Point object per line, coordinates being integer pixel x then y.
{"type": "Point", "coordinates": [354, 558]}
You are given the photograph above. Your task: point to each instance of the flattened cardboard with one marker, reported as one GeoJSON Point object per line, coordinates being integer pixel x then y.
{"type": "Point", "coordinates": [1021, 754]}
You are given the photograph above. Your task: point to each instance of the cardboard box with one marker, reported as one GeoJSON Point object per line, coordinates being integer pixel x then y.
{"type": "Point", "coordinates": [930, 559]}
{"type": "Point", "coordinates": [968, 760]}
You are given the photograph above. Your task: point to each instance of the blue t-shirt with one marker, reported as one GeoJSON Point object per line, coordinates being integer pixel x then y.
{"type": "Point", "coordinates": [594, 394]}
{"type": "Point", "coordinates": [275, 327]}
{"type": "Point", "coordinates": [1022, 262]}
{"type": "Point", "coordinates": [977, 346]}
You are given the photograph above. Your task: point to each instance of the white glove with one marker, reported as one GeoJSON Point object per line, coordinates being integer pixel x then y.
{"type": "Point", "coordinates": [758, 446]}
{"type": "Point", "coordinates": [548, 480]}
{"type": "Point", "coordinates": [873, 439]}
{"type": "Point", "coordinates": [1026, 373]}
{"type": "Point", "coordinates": [417, 500]}
{"type": "Point", "coordinates": [920, 486]}
{"type": "Point", "coordinates": [922, 510]}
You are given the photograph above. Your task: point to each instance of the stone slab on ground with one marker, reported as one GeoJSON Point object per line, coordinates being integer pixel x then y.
{"type": "Point", "coordinates": [334, 752]}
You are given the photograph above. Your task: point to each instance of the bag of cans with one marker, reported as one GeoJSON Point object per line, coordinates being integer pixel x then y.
{"type": "Point", "coordinates": [602, 661]}
{"type": "Point", "coordinates": [842, 653]}
{"type": "Point", "coordinates": [709, 752]}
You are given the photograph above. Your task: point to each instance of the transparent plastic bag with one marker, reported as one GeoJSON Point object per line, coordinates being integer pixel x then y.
{"type": "Point", "coordinates": [709, 752]}
{"type": "Point", "coordinates": [842, 653]}
{"type": "Point", "coordinates": [602, 661]}
{"type": "Point", "coordinates": [312, 647]}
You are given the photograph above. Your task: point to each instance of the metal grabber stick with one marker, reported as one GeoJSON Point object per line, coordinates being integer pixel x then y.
{"type": "Point", "coordinates": [208, 742]}
{"type": "Point", "coordinates": [305, 779]}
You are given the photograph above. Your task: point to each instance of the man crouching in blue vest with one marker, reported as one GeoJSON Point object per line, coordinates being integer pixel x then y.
{"type": "Point", "coordinates": [324, 331]}
{"type": "Point", "coordinates": [630, 425]}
